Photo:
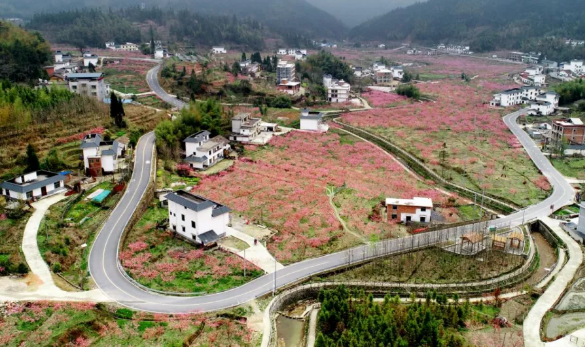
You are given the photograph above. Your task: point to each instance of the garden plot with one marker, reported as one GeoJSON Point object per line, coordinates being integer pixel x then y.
{"type": "Point", "coordinates": [461, 140]}
{"type": "Point", "coordinates": [158, 260]}
{"type": "Point", "coordinates": [128, 76]}
{"type": "Point", "coordinates": [284, 186]}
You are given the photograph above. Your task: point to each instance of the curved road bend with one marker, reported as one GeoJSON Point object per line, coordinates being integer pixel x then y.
{"type": "Point", "coordinates": [152, 80]}
{"type": "Point", "coordinates": [104, 265]}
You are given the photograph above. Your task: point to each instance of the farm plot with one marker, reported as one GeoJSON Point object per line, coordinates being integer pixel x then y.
{"type": "Point", "coordinates": [461, 139]}
{"type": "Point", "coordinates": [128, 76]}
{"type": "Point", "coordinates": [285, 186]}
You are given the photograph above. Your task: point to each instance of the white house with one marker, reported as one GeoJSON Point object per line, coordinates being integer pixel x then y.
{"type": "Point", "coordinates": [128, 46]}
{"type": "Point", "coordinates": [409, 210]}
{"type": "Point", "coordinates": [337, 90]}
{"type": "Point", "coordinates": [111, 45]}
{"type": "Point", "coordinates": [196, 218]}
{"type": "Point", "coordinates": [544, 108]}
{"type": "Point", "coordinates": [90, 84]}
{"type": "Point", "coordinates": [282, 51]}
{"type": "Point", "coordinates": [313, 121]}
{"type": "Point", "coordinates": [534, 70]}
{"type": "Point", "coordinates": [377, 66]}
{"type": "Point", "coordinates": [101, 157]}
{"type": "Point", "coordinates": [537, 80]}
{"type": "Point", "coordinates": [90, 59]}
{"type": "Point", "coordinates": [381, 45]}
{"type": "Point", "coordinates": [61, 57]}
{"type": "Point", "coordinates": [218, 50]}
{"type": "Point", "coordinates": [37, 184]}
{"type": "Point", "coordinates": [549, 96]}
{"type": "Point", "coordinates": [575, 66]}
{"type": "Point", "coordinates": [245, 128]}
{"type": "Point", "coordinates": [397, 72]}
{"type": "Point", "coordinates": [515, 96]}
{"type": "Point", "coordinates": [202, 152]}
{"type": "Point", "coordinates": [159, 53]}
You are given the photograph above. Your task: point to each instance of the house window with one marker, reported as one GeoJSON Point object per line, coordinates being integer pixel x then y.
{"type": "Point", "coordinates": [183, 217]}
{"type": "Point", "coordinates": [193, 224]}
{"type": "Point", "coordinates": [174, 227]}
{"type": "Point", "coordinates": [29, 195]}
{"type": "Point", "coordinates": [423, 219]}
{"type": "Point", "coordinates": [394, 207]}
{"type": "Point", "coordinates": [423, 209]}
{"type": "Point", "coordinates": [183, 227]}
{"type": "Point", "coordinates": [394, 216]}
{"type": "Point", "coordinates": [408, 218]}
{"type": "Point", "coordinates": [57, 185]}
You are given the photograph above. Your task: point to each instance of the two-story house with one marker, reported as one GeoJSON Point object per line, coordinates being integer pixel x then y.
{"type": "Point", "coordinates": [101, 157]}
{"type": "Point", "coordinates": [196, 218]}
{"type": "Point", "coordinates": [203, 152]}
{"type": "Point", "coordinates": [409, 210]}
{"type": "Point", "coordinates": [89, 84]}
{"type": "Point", "coordinates": [313, 121]}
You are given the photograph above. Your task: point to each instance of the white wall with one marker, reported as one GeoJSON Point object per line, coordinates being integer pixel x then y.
{"type": "Point", "coordinates": [203, 221]}
{"type": "Point", "coordinates": [309, 124]}
{"type": "Point", "coordinates": [88, 152]}
{"type": "Point", "coordinates": [415, 217]}
{"type": "Point", "coordinates": [108, 163]}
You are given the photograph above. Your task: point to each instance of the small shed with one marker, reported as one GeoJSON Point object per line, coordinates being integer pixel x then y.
{"type": "Point", "coordinates": [516, 239]}
{"type": "Point", "coordinates": [499, 242]}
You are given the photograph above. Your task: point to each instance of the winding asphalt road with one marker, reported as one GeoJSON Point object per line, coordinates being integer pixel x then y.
{"type": "Point", "coordinates": [110, 278]}
{"type": "Point", "coordinates": [152, 80]}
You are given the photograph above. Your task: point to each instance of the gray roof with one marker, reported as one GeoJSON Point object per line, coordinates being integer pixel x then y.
{"type": "Point", "coordinates": [91, 140]}
{"type": "Point", "coordinates": [197, 203]}
{"type": "Point", "coordinates": [87, 76]}
{"type": "Point", "coordinates": [109, 152]}
{"type": "Point", "coordinates": [198, 137]}
{"type": "Point", "coordinates": [51, 178]}
{"type": "Point", "coordinates": [208, 237]}
{"type": "Point", "coordinates": [115, 147]}
{"type": "Point", "coordinates": [194, 159]}
{"type": "Point", "coordinates": [313, 116]}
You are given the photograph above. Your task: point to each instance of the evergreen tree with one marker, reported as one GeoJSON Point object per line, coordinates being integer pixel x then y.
{"type": "Point", "coordinates": [244, 56]}
{"type": "Point", "coordinates": [32, 160]}
{"type": "Point", "coordinates": [117, 111]}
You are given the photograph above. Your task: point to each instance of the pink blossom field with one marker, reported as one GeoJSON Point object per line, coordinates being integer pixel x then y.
{"type": "Point", "coordinates": [378, 98]}
{"type": "Point", "coordinates": [476, 140]}
{"type": "Point", "coordinates": [284, 186]}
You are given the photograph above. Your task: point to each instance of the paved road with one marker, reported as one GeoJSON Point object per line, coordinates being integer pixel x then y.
{"type": "Point", "coordinates": [152, 79]}
{"type": "Point", "coordinates": [106, 273]}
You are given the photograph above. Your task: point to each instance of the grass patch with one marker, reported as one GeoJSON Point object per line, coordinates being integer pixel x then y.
{"type": "Point", "coordinates": [570, 167]}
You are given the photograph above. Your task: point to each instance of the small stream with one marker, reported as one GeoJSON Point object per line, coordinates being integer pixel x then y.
{"type": "Point", "coordinates": [291, 331]}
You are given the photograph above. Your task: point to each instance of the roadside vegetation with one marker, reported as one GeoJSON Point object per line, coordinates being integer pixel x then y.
{"type": "Point", "coordinates": [432, 266]}
{"type": "Point", "coordinates": [12, 224]}
{"type": "Point", "coordinates": [161, 260]}
{"type": "Point", "coordinates": [86, 324]}
{"type": "Point", "coordinates": [570, 167]}
{"type": "Point", "coordinates": [66, 233]}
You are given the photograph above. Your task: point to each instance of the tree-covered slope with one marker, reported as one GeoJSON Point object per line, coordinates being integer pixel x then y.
{"type": "Point", "coordinates": [486, 24]}
{"type": "Point", "coordinates": [293, 15]}
{"type": "Point", "coordinates": [22, 54]}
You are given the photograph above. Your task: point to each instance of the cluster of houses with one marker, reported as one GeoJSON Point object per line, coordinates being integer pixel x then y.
{"type": "Point", "coordinates": [456, 49]}
{"type": "Point", "coordinates": [540, 101]}
{"type": "Point", "coordinates": [381, 73]}
{"type": "Point", "coordinates": [298, 54]}
{"type": "Point", "coordinates": [533, 76]}
{"type": "Point", "coordinates": [528, 58]}
{"type": "Point", "coordinates": [218, 50]}
{"type": "Point", "coordinates": [574, 43]}
{"type": "Point", "coordinates": [250, 68]}
{"type": "Point", "coordinates": [125, 47]}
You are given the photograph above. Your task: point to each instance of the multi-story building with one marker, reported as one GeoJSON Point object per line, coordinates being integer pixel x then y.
{"type": "Point", "coordinates": [196, 218]}
{"type": "Point", "coordinates": [515, 96]}
{"type": "Point", "coordinates": [543, 108]}
{"type": "Point", "coordinates": [90, 84]}
{"type": "Point", "coordinates": [203, 152]}
{"type": "Point", "coordinates": [285, 71]}
{"type": "Point", "coordinates": [571, 130]}
{"type": "Point", "coordinates": [515, 56]}
{"type": "Point", "coordinates": [409, 210]}
{"type": "Point", "coordinates": [549, 96]}
{"type": "Point", "coordinates": [384, 76]}
{"type": "Point", "coordinates": [245, 128]}
{"type": "Point", "coordinates": [337, 90]}
{"type": "Point", "coordinates": [575, 66]}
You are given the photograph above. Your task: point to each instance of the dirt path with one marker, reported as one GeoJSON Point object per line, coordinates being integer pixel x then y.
{"type": "Point", "coordinates": [331, 194]}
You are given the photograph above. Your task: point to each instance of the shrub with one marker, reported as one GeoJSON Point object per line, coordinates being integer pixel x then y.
{"type": "Point", "coordinates": [22, 268]}
{"type": "Point", "coordinates": [124, 313]}
{"type": "Point", "coordinates": [56, 267]}
{"type": "Point", "coordinates": [409, 91]}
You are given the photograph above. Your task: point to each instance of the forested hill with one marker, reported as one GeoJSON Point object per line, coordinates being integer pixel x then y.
{"type": "Point", "coordinates": [295, 16]}
{"type": "Point", "coordinates": [22, 54]}
{"type": "Point", "coordinates": [485, 24]}
{"type": "Point", "coordinates": [93, 27]}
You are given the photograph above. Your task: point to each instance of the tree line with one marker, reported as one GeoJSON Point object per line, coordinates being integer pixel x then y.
{"type": "Point", "coordinates": [355, 320]}
{"type": "Point", "coordinates": [22, 54]}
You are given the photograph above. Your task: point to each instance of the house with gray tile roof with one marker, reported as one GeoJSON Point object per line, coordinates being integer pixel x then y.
{"type": "Point", "coordinates": [196, 218]}
{"type": "Point", "coordinates": [202, 152]}
{"type": "Point", "coordinates": [33, 185]}
{"type": "Point", "coordinates": [101, 157]}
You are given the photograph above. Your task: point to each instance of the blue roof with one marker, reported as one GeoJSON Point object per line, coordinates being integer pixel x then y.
{"type": "Point", "coordinates": [65, 173]}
